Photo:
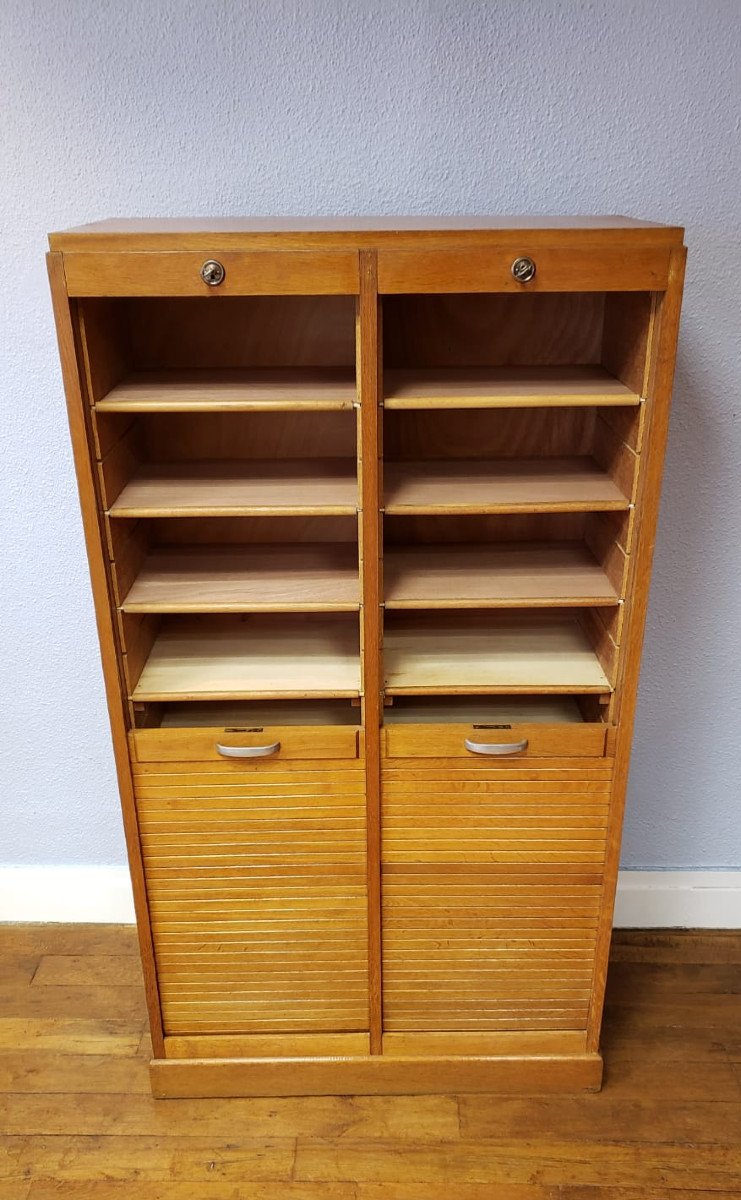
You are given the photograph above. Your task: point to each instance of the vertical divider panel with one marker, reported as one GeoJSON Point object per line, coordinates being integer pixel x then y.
{"type": "Point", "coordinates": [369, 449]}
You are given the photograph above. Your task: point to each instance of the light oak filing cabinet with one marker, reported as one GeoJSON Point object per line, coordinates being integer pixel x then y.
{"type": "Point", "coordinates": [370, 510]}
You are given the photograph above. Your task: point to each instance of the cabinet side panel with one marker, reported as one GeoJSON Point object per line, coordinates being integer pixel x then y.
{"type": "Point", "coordinates": [661, 374]}
{"type": "Point", "coordinates": [95, 544]}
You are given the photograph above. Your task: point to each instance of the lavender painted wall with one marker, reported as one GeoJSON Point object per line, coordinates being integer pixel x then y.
{"type": "Point", "coordinates": [333, 106]}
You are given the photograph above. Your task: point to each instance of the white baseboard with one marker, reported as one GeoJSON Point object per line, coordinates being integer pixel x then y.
{"type": "Point", "coordinates": [678, 899]}
{"type": "Point", "coordinates": [645, 899]}
{"type": "Point", "coordinates": [74, 893]}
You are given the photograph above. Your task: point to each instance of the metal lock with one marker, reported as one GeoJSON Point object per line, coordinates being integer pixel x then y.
{"type": "Point", "coordinates": [212, 272]}
{"type": "Point", "coordinates": [523, 269]}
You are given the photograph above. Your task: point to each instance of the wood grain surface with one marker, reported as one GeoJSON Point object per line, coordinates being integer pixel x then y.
{"type": "Point", "coordinates": [516, 472]}
{"type": "Point", "coordinates": [78, 1120]}
{"type": "Point", "coordinates": [519, 485]}
{"type": "Point", "coordinates": [273, 390]}
{"type": "Point", "coordinates": [492, 387]}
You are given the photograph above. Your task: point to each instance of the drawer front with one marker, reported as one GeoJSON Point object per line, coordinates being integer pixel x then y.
{"type": "Point", "coordinates": [442, 741]}
{"type": "Point", "coordinates": [256, 883]}
{"type": "Point", "coordinates": [492, 885]}
{"type": "Point", "coordinates": [581, 269]}
{"type": "Point", "coordinates": [256, 273]}
{"type": "Point", "coordinates": [200, 745]}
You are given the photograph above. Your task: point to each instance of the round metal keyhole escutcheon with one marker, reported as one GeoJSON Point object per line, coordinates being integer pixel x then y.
{"type": "Point", "coordinates": [212, 272]}
{"type": "Point", "coordinates": [523, 269]}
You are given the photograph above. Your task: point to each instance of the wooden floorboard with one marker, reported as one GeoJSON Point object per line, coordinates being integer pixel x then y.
{"type": "Point", "coordinates": [117, 1189]}
{"type": "Point", "coordinates": [135, 1190]}
{"type": "Point", "coordinates": [77, 1119]}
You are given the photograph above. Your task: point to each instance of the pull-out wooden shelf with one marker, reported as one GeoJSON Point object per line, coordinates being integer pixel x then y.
{"type": "Point", "coordinates": [314, 578]}
{"type": "Point", "coordinates": [501, 485]}
{"type": "Point", "coordinates": [194, 743]}
{"type": "Point", "coordinates": [488, 654]}
{"type": "Point", "coordinates": [441, 726]}
{"type": "Point", "coordinates": [274, 390]}
{"type": "Point", "coordinates": [241, 658]}
{"type": "Point", "coordinates": [503, 576]}
{"type": "Point", "coordinates": [528, 742]}
{"type": "Point", "coordinates": [241, 488]}
{"type": "Point", "coordinates": [504, 387]}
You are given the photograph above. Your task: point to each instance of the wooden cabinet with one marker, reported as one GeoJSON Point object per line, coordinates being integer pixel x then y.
{"type": "Point", "coordinates": [370, 511]}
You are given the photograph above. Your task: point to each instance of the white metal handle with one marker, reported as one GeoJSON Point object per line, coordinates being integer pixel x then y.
{"type": "Point", "coordinates": [247, 751]}
{"type": "Point", "coordinates": [495, 747]}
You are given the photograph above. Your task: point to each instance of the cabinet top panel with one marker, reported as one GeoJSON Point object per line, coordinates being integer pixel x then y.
{"type": "Point", "coordinates": [207, 233]}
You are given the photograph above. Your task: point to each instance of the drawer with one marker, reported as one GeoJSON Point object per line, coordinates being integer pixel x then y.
{"type": "Point", "coordinates": [199, 745]}
{"type": "Point", "coordinates": [490, 270]}
{"type": "Point", "coordinates": [449, 741]}
{"type": "Point", "coordinates": [257, 273]}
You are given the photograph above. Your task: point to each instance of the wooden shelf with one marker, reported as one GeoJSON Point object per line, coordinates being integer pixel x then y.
{"type": "Point", "coordinates": [266, 712]}
{"type": "Point", "coordinates": [308, 578]}
{"type": "Point", "coordinates": [301, 487]}
{"type": "Point", "coordinates": [498, 576]}
{"type": "Point", "coordinates": [462, 710]}
{"type": "Point", "coordinates": [504, 387]}
{"type": "Point", "coordinates": [488, 654]}
{"type": "Point", "coordinates": [501, 485]}
{"type": "Point", "coordinates": [234, 658]}
{"type": "Point", "coordinates": [270, 390]}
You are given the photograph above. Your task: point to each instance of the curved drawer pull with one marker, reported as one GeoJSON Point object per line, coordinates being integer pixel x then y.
{"type": "Point", "coordinates": [247, 751]}
{"type": "Point", "coordinates": [495, 747]}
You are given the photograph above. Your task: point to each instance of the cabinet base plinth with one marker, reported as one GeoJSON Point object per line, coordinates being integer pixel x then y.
{"type": "Point", "coordinates": [368, 1075]}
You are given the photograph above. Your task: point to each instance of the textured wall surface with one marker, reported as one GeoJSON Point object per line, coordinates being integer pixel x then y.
{"type": "Point", "coordinates": [143, 108]}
